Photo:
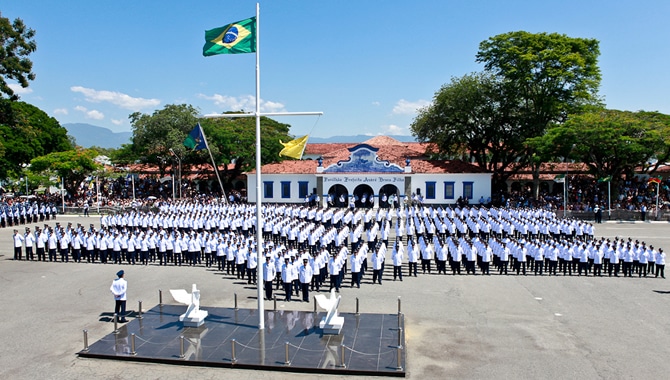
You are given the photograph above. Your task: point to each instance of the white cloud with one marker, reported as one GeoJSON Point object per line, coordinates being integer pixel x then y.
{"type": "Point", "coordinates": [405, 107]}
{"type": "Point", "coordinates": [18, 90]}
{"type": "Point", "coordinates": [61, 111]}
{"type": "Point", "coordinates": [90, 114]}
{"type": "Point", "coordinates": [376, 103]}
{"type": "Point", "coordinates": [117, 98]}
{"type": "Point", "coordinates": [117, 122]}
{"type": "Point", "coordinates": [394, 130]}
{"type": "Point", "coordinates": [246, 103]}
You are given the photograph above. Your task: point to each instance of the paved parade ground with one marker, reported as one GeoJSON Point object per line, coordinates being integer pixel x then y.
{"type": "Point", "coordinates": [466, 327]}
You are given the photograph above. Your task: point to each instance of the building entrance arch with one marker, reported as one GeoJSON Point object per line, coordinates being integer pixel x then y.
{"type": "Point", "coordinates": [389, 196]}
{"type": "Point", "coordinates": [364, 196]}
{"type": "Point", "coordinates": [338, 195]}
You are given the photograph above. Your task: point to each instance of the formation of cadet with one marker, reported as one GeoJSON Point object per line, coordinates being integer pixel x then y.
{"type": "Point", "coordinates": [308, 248]}
{"type": "Point", "coordinates": [25, 213]}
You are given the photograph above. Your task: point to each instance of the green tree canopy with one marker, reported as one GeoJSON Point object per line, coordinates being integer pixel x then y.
{"type": "Point", "coordinates": [16, 44]}
{"type": "Point", "coordinates": [549, 74]}
{"type": "Point", "coordinates": [471, 117]}
{"type": "Point", "coordinates": [234, 141]}
{"type": "Point", "coordinates": [530, 81]}
{"type": "Point", "coordinates": [27, 132]}
{"type": "Point", "coordinates": [72, 165]}
{"type": "Point", "coordinates": [611, 142]}
{"type": "Point", "coordinates": [154, 135]}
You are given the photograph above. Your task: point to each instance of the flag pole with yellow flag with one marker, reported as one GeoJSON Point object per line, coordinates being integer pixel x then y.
{"type": "Point", "coordinates": [294, 148]}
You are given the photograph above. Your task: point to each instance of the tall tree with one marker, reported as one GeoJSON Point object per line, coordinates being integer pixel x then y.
{"type": "Point", "coordinates": [547, 76]}
{"type": "Point", "coordinates": [16, 44]}
{"type": "Point", "coordinates": [611, 142]}
{"type": "Point", "coordinates": [27, 132]}
{"type": "Point", "coordinates": [233, 141]}
{"type": "Point", "coordinates": [471, 117]}
{"type": "Point", "coordinates": [71, 165]}
{"type": "Point", "coordinates": [154, 135]}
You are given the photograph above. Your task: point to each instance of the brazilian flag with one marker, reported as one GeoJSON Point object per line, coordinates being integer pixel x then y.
{"type": "Point", "coordinates": [238, 37]}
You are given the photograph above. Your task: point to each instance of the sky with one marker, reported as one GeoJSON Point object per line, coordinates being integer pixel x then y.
{"type": "Point", "coordinates": [366, 64]}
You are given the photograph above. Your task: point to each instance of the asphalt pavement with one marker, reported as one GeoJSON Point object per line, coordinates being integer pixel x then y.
{"type": "Point", "coordinates": [466, 327]}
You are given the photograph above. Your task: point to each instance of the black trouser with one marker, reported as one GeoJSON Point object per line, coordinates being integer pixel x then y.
{"type": "Point", "coordinates": [18, 254]}
{"type": "Point", "coordinates": [397, 271]}
{"type": "Point", "coordinates": [288, 290]}
{"type": "Point", "coordinates": [412, 268]}
{"type": "Point", "coordinates": [597, 269]}
{"type": "Point", "coordinates": [40, 254]}
{"type": "Point", "coordinates": [615, 267]}
{"type": "Point", "coordinates": [120, 309]}
{"type": "Point", "coordinates": [660, 269]}
{"type": "Point", "coordinates": [425, 263]}
{"type": "Point", "coordinates": [29, 253]}
{"type": "Point", "coordinates": [376, 276]}
{"type": "Point", "coordinates": [552, 267]}
{"type": "Point", "coordinates": [455, 266]}
{"type": "Point", "coordinates": [268, 289]}
{"type": "Point", "coordinates": [334, 283]}
{"type": "Point", "coordinates": [305, 291]}
{"type": "Point", "coordinates": [251, 275]}
{"type": "Point", "coordinates": [486, 267]}
{"type": "Point", "coordinates": [64, 255]}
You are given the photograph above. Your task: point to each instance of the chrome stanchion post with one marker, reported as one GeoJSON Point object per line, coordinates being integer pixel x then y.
{"type": "Point", "coordinates": [233, 359]}
{"type": "Point", "coordinates": [314, 304]}
{"type": "Point", "coordinates": [274, 296]}
{"type": "Point", "coordinates": [236, 301]}
{"type": "Point", "coordinates": [116, 323]}
{"type": "Point", "coordinates": [342, 365]}
{"type": "Point", "coordinates": [181, 347]}
{"type": "Point", "coordinates": [286, 360]}
{"type": "Point", "coordinates": [399, 305]}
{"type": "Point", "coordinates": [399, 336]}
{"type": "Point", "coordinates": [139, 312]}
{"type": "Point", "coordinates": [399, 367]}
{"type": "Point", "coordinates": [85, 340]}
{"type": "Point", "coordinates": [357, 313]}
{"type": "Point", "coordinates": [160, 296]}
{"type": "Point", "coordinates": [132, 344]}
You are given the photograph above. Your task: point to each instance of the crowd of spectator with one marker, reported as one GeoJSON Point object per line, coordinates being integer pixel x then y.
{"type": "Point", "coordinates": [585, 193]}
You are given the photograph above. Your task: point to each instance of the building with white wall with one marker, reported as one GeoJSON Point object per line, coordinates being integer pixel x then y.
{"type": "Point", "coordinates": [371, 172]}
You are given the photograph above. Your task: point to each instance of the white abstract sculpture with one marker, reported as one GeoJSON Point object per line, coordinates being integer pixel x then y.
{"type": "Point", "coordinates": [194, 317]}
{"type": "Point", "coordinates": [332, 323]}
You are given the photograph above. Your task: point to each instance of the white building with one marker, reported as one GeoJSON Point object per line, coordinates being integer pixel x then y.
{"type": "Point", "coordinates": [376, 169]}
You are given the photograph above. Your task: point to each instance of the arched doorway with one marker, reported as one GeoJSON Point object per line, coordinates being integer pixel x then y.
{"type": "Point", "coordinates": [338, 195]}
{"type": "Point", "coordinates": [364, 196]}
{"type": "Point", "coordinates": [389, 196]}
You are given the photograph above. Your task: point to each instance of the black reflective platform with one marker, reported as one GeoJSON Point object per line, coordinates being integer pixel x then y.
{"type": "Point", "coordinates": [370, 341]}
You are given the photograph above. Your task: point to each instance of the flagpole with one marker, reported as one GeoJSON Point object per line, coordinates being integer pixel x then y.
{"type": "Point", "coordinates": [259, 214]}
{"type": "Point", "coordinates": [658, 189]}
{"type": "Point", "coordinates": [216, 170]}
{"type": "Point", "coordinates": [609, 198]}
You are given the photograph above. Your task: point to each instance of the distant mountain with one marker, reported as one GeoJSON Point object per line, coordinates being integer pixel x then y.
{"type": "Point", "coordinates": [87, 135]}
{"type": "Point", "coordinates": [355, 139]}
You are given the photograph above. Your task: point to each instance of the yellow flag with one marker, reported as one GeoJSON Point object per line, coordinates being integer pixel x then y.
{"type": "Point", "coordinates": [294, 148]}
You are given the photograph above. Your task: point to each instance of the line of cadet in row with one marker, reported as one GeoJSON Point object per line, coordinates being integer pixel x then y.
{"type": "Point", "coordinates": [328, 258]}
{"type": "Point", "coordinates": [25, 213]}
